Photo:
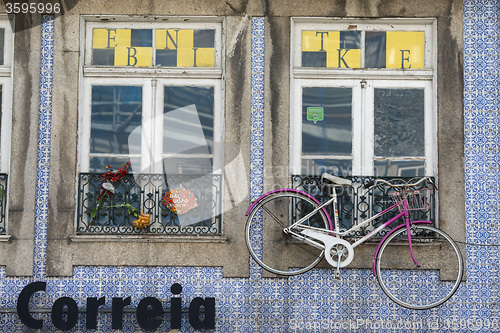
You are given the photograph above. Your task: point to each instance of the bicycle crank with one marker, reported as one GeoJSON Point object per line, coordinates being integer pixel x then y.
{"type": "Point", "coordinates": [338, 252]}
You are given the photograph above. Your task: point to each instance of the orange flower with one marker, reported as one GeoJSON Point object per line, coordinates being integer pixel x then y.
{"type": "Point", "coordinates": [143, 221]}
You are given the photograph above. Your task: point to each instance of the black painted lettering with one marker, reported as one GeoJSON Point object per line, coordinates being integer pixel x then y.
{"type": "Point", "coordinates": [341, 58]}
{"type": "Point", "coordinates": [169, 36]}
{"type": "Point", "coordinates": [131, 55]}
{"type": "Point", "coordinates": [58, 313]}
{"type": "Point", "coordinates": [92, 305]}
{"type": "Point", "coordinates": [403, 59]}
{"type": "Point", "coordinates": [195, 49]}
{"type": "Point", "coordinates": [149, 312]}
{"type": "Point", "coordinates": [194, 313]}
{"type": "Point", "coordinates": [111, 38]}
{"type": "Point", "coordinates": [321, 33]}
{"type": "Point", "coordinates": [117, 306]}
{"type": "Point", "coordinates": [23, 304]}
{"type": "Point", "coordinates": [175, 307]}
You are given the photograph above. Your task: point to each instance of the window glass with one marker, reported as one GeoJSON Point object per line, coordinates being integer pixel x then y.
{"type": "Point", "coordinates": [116, 112]}
{"type": "Point", "coordinates": [134, 47]}
{"type": "Point", "coordinates": [382, 49]}
{"type": "Point", "coordinates": [317, 166]}
{"type": "Point", "coordinates": [185, 48]}
{"type": "Point", "coordinates": [326, 121]}
{"type": "Point", "coordinates": [2, 34]}
{"type": "Point", "coordinates": [188, 129]}
{"type": "Point", "coordinates": [122, 47]}
{"type": "Point", "coordinates": [1, 112]}
{"type": "Point", "coordinates": [392, 168]}
{"type": "Point", "coordinates": [399, 122]}
{"type": "Point", "coordinates": [337, 49]}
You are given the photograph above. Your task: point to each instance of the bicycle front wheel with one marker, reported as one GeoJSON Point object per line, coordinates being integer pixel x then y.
{"type": "Point", "coordinates": [427, 286]}
{"type": "Point", "coordinates": [274, 250]}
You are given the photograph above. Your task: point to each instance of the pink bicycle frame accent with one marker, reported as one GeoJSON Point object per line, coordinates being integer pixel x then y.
{"type": "Point", "coordinates": [401, 214]}
{"type": "Point", "coordinates": [403, 225]}
{"type": "Point", "coordinates": [295, 191]}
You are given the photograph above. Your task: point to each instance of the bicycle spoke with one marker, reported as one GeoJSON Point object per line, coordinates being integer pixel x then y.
{"type": "Point", "coordinates": [273, 249]}
{"type": "Point", "coordinates": [273, 216]}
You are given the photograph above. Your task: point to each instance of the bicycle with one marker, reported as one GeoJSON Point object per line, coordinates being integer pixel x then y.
{"type": "Point", "coordinates": [288, 227]}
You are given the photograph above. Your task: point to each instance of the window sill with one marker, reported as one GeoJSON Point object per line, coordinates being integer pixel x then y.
{"type": "Point", "coordinates": [5, 238]}
{"type": "Point", "coordinates": [148, 238]}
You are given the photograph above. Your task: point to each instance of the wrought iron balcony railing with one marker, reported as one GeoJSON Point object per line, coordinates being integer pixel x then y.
{"type": "Point", "coordinates": [3, 203]}
{"type": "Point", "coordinates": [356, 204]}
{"type": "Point", "coordinates": [176, 204]}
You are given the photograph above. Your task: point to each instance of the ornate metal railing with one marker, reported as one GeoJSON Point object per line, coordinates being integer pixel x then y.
{"type": "Point", "coordinates": [3, 203]}
{"type": "Point", "coordinates": [197, 208]}
{"type": "Point", "coordinates": [356, 204]}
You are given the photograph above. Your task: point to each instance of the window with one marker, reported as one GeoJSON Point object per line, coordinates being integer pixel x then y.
{"type": "Point", "coordinates": [6, 71]}
{"type": "Point", "coordinates": [363, 97]}
{"type": "Point", "coordinates": [152, 97]}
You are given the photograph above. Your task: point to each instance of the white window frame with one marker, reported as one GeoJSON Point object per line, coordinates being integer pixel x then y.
{"type": "Point", "coordinates": [363, 81]}
{"type": "Point", "coordinates": [6, 72]}
{"type": "Point", "coordinates": [152, 79]}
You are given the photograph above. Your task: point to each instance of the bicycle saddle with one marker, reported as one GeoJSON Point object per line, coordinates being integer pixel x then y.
{"type": "Point", "coordinates": [336, 180]}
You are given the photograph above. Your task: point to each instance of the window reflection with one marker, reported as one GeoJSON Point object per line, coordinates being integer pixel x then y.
{"type": "Point", "coordinates": [399, 122]}
{"type": "Point", "coordinates": [388, 168]}
{"type": "Point", "coordinates": [116, 112]}
{"type": "Point", "coordinates": [326, 121]}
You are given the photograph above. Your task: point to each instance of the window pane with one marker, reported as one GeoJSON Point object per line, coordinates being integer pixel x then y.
{"type": "Point", "coordinates": [122, 47]}
{"type": "Point", "coordinates": [375, 46]}
{"type": "Point", "coordinates": [2, 46]}
{"type": "Point", "coordinates": [340, 168]}
{"type": "Point", "coordinates": [399, 122]}
{"type": "Point", "coordinates": [327, 121]}
{"type": "Point", "coordinates": [98, 163]}
{"type": "Point", "coordinates": [394, 49]}
{"type": "Point", "coordinates": [188, 166]}
{"type": "Point", "coordinates": [185, 48]}
{"type": "Point", "coordinates": [190, 130]}
{"type": "Point", "coordinates": [405, 49]}
{"type": "Point", "coordinates": [399, 168]}
{"type": "Point", "coordinates": [1, 99]}
{"type": "Point", "coordinates": [116, 112]}
{"type": "Point", "coordinates": [334, 49]}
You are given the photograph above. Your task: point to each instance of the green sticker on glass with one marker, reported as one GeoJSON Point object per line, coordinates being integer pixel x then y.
{"type": "Point", "coordinates": [315, 114]}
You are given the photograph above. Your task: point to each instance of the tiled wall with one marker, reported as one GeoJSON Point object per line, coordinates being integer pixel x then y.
{"type": "Point", "coordinates": [313, 302]}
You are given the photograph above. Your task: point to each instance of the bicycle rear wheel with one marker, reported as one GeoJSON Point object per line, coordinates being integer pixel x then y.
{"type": "Point", "coordinates": [421, 287]}
{"type": "Point", "coordinates": [270, 247]}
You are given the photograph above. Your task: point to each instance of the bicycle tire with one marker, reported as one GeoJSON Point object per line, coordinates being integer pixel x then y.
{"type": "Point", "coordinates": [269, 246]}
{"type": "Point", "coordinates": [425, 287]}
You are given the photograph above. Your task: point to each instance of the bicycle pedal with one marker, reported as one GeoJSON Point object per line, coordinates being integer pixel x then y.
{"type": "Point", "coordinates": [337, 275]}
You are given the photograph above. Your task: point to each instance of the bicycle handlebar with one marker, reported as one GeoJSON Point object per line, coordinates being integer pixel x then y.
{"type": "Point", "coordinates": [375, 182]}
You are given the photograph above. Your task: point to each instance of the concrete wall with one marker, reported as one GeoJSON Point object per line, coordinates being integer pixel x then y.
{"type": "Point", "coordinates": [311, 302]}
{"type": "Point", "coordinates": [65, 251]}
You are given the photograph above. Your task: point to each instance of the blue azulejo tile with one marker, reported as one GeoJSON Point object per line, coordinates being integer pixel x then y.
{"type": "Point", "coordinates": [480, 101]}
{"type": "Point", "coordinates": [479, 120]}
{"type": "Point", "coordinates": [495, 120]}
{"type": "Point", "coordinates": [493, 26]}
{"type": "Point", "coordinates": [478, 177]}
{"type": "Point", "coordinates": [495, 11]}
{"type": "Point", "coordinates": [476, 8]}
{"type": "Point", "coordinates": [478, 63]}
{"type": "Point", "coordinates": [494, 101]}
{"type": "Point", "coordinates": [477, 140]}
{"type": "Point", "coordinates": [477, 45]}
{"type": "Point", "coordinates": [479, 234]}
{"type": "Point", "coordinates": [476, 158]}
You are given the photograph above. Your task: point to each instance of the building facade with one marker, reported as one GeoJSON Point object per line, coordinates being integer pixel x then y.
{"type": "Point", "coordinates": [78, 80]}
